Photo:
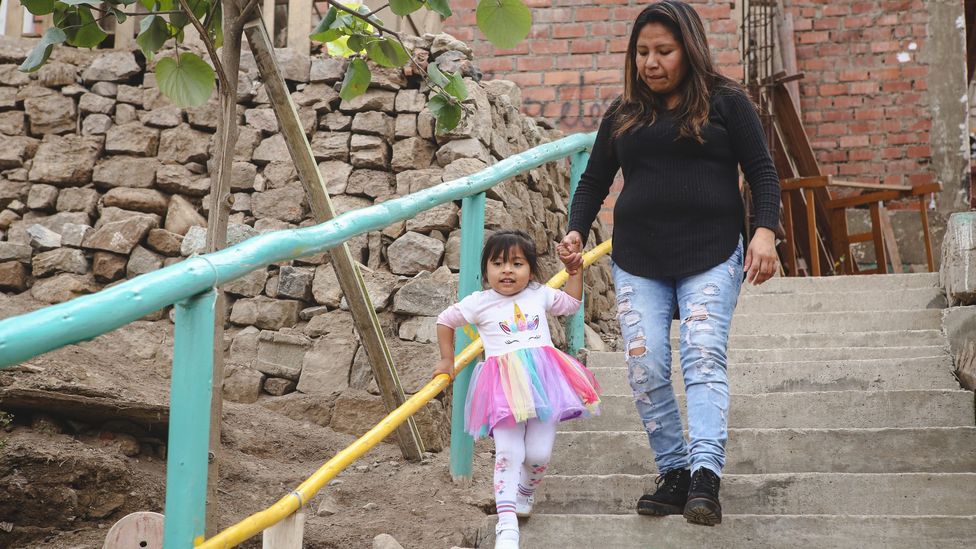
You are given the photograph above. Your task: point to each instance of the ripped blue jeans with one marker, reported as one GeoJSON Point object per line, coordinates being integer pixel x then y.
{"type": "Point", "coordinates": [705, 303]}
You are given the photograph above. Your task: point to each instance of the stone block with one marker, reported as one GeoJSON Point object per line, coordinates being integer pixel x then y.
{"type": "Point", "coordinates": [42, 197]}
{"type": "Point", "coordinates": [372, 100]}
{"type": "Point", "coordinates": [61, 260]}
{"type": "Point", "coordinates": [112, 66]}
{"type": "Point", "coordinates": [439, 218]}
{"type": "Point", "coordinates": [63, 287]}
{"type": "Point", "coordinates": [78, 199]}
{"type": "Point", "coordinates": [271, 149]}
{"type": "Point", "coordinates": [94, 103]}
{"type": "Point", "coordinates": [265, 313]}
{"type": "Point", "coordinates": [422, 329]}
{"type": "Point", "coordinates": [126, 171]}
{"type": "Point", "coordinates": [373, 123]}
{"type": "Point", "coordinates": [177, 179]}
{"type": "Point", "coordinates": [108, 267]}
{"type": "Point", "coordinates": [336, 176]}
{"type": "Point", "coordinates": [14, 251]}
{"type": "Point", "coordinates": [301, 407]}
{"type": "Point", "coordinates": [281, 354]}
{"type": "Point", "coordinates": [142, 261]}
{"type": "Point", "coordinates": [371, 183]}
{"type": "Point", "coordinates": [412, 153]}
{"type": "Point", "coordinates": [112, 214]}
{"type": "Point", "coordinates": [427, 294]}
{"type": "Point", "coordinates": [140, 200]}
{"type": "Point", "coordinates": [74, 234]}
{"type": "Point", "coordinates": [65, 161]}
{"type": "Point", "coordinates": [118, 237]}
{"type": "Point", "coordinates": [413, 253]}
{"type": "Point", "coordinates": [132, 138]}
{"type": "Point", "coordinates": [56, 74]}
{"type": "Point", "coordinates": [286, 204]}
{"type": "Point", "coordinates": [181, 215]}
{"type": "Point", "coordinates": [242, 176]}
{"type": "Point", "coordinates": [263, 120]}
{"type": "Point", "coordinates": [325, 369]}
{"type": "Point", "coordinates": [336, 122]}
{"type": "Point", "coordinates": [242, 384]}
{"type": "Point", "coordinates": [335, 323]}
{"type": "Point", "coordinates": [295, 283]}
{"type": "Point", "coordinates": [96, 124]}
{"type": "Point", "coordinates": [462, 148]}
{"type": "Point", "coordinates": [165, 242]}
{"type": "Point", "coordinates": [249, 285]}
{"type": "Point", "coordinates": [41, 238]}
{"type": "Point", "coordinates": [405, 126]}
{"type": "Point", "coordinates": [411, 181]}
{"type": "Point", "coordinates": [356, 412]}
{"type": "Point", "coordinates": [169, 116]}
{"type": "Point", "coordinates": [277, 386]}
{"type": "Point", "coordinates": [959, 259]}
{"type": "Point", "coordinates": [13, 276]}
{"type": "Point", "coordinates": [410, 101]}
{"type": "Point", "coordinates": [325, 287]}
{"type": "Point", "coordinates": [331, 146]}
{"type": "Point", "coordinates": [183, 144]}
{"type": "Point", "coordinates": [50, 114]}
{"type": "Point", "coordinates": [328, 69]}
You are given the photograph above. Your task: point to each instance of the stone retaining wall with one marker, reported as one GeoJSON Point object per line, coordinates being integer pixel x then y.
{"type": "Point", "coordinates": [102, 179]}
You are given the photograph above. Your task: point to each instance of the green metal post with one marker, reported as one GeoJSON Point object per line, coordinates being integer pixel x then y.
{"type": "Point", "coordinates": [189, 421]}
{"type": "Point", "coordinates": [472, 239]}
{"type": "Point", "coordinates": [575, 334]}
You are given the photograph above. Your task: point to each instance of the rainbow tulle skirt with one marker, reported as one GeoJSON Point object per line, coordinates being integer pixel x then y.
{"type": "Point", "coordinates": [540, 382]}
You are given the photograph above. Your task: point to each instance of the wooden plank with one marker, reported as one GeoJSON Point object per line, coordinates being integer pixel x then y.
{"type": "Point", "coordinates": [926, 234]}
{"type": "Point", "coordinates": [299, 25]}
{"type": "Point", "coordinates": [93, 408]}
{"type": "Point", "coordinates": [287, 534]}
{"type": "Point", "coordinates": [125, 33]}
{"type": "Point", "coordinates": [350, 278]}
{"type": "Point", "coordinates": [790, 236]}
{"type": "Point", "coordinates": [878, 237]}
{"type": "Point", "coordinates": [268, 13]}
{"type": "Point", "coordinates": [812, 232]}
{"type": "Point", "coordinates": [861, 237]}
{"type": "Point", "coordinates": [810, 182]}
{"type": "Point", "coordinates": [14, 24]}
{"type": "Point", "coordinates": [787, 50]}
{"type": "Point", "coordinates": [841, 243]}
{"type": "Point", "coordinates": [864, 199]}
{"type": "Point", "coordinates": [891, 245]}
{"type": "Point", "coordinates": [834, 182]}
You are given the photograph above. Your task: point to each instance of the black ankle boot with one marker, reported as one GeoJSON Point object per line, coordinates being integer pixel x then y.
{"type": "Point", "coordinates": [670, 497]}
{"type": "Point", "coordinates": [703, 506]}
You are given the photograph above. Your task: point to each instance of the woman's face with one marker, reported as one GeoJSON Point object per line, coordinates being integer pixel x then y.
{"type": "Point", "coordinates": [660, 61]}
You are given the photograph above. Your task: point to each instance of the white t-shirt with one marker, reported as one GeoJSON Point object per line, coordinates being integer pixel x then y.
{"type": "Point", "coordinates": [508, 323]}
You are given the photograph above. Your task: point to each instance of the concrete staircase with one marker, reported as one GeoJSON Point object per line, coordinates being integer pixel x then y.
{"type": "Point", "coordinates": [847, 429]}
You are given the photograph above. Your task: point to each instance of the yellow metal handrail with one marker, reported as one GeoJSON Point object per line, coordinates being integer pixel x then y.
{"type": "Point", "coordinates": [295, 500]}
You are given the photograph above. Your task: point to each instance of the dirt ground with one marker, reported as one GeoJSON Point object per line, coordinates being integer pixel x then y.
{"type": "Point", "coordinates": [67, 475]}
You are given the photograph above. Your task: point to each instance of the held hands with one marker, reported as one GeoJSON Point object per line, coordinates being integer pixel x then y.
{"type": "Point", "coordinates": [570, 252]}
{"type": "Point", "coordinates": [445, 366]}
{"type": "Point", "coordinates": [761, 259]}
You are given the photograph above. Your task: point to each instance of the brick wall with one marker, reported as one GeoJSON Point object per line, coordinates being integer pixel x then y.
{"type": "Point", "coordinates": [864, 97]}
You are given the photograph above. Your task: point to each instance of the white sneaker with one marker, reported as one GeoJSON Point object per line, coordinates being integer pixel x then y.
{"type": "Point", "coordinates": [510, 541]}
{"type": "Point", "coordinates": [523, 505]}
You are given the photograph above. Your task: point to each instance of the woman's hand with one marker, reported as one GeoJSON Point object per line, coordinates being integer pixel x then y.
{"type": "Point", "coordinates": [570, 252]}
{"type": "Point", "coordinates": [761, 259]}
{"type": "Point", "coordinates": [445, 366]}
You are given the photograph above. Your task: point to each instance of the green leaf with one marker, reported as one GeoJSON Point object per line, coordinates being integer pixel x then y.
{"type": "Point", "coordinates": [120, 15]}
{"type": "Point", "coordinates": [323, 31]}
{"type": "Point", "coordinates": [405, 7]}
{"type": "Point", "coordinates": [357, 42]}
{"type": "Point", "coordinates": [456, 87]}
{"type": "Point", "coordinates": [438, 77]}
{"type": "Point", "coordinates": [148, 4]}
{"type": "Point", "coordinates": [504, 22]}
{"type": "Point", "coordinates": [215, 25]}
{"type": "Point", "coordinates": [448, 114]}
{"type": "Point", "coordinates": [38, 56]}
{"type": "Point", "coordinates": [153, 33]}
{"type": "Point", "coordinates": [440, 6]}
{"type": "Point", "coordinates": [356, 81]}
{"type": "Point", "coordinates": [388, 52]}
{"type": "Point", "coordinates": [179, 20]}
{"type": "Point", "coordinates": [92, 3]}
{"type": "Point", "coordinates": [188, 81]}
{"type": "Point", "coordinates": [38, 7]}
{"type": "Point", "coordinates": [88, 34]}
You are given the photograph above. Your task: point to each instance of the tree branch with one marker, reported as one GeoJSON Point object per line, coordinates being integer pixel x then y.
{"type": "Point", "coordinates": [245, 13]}
{"type": "Point", "coordinates": [222, 76]}
{"type": "Point", "coordinates": [339, 6]}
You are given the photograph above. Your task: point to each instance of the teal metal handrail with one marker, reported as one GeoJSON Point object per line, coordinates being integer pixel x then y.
{"type": "Point", "coordinates": [190, 286]}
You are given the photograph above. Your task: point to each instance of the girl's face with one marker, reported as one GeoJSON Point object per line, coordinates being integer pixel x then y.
{"type": "Point", "coordinates": [661, 62]}
{"type": "Point", "coordinates": [509, 276]}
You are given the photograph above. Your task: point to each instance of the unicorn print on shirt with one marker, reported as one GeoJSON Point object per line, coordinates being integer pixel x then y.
{"type": "Point", "coordinates": [519, 325]}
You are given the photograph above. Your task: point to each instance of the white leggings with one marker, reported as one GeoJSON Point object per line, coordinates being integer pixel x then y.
{"type": "Point", "coordinates": [521, 458]}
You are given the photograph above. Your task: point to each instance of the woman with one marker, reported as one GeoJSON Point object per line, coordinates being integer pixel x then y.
{"type": "Point", "coordinates": [679, 133]}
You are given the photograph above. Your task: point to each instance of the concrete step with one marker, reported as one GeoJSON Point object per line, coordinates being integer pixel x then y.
{"type": "Point", "coordinates": [886, 337]}
{"type": "Point", "coordinates": [826, 410]}
{"type": "Point", "coordinates": [862, 283]}
{"type": "Point", "coordinates": [778, 494]}
{"type": "Point", "coordinates": [544, 531]}
{"type": "Point", "coordinates": [598, 359]}
{"type": "Point", "coordinates": [785, 377]}
{"type": "Point", "coordinates": [832, 323]}
{"type": "Point", "coordinates": [751, 451]}
{"type": "Point", "coordinates": [924, 298]}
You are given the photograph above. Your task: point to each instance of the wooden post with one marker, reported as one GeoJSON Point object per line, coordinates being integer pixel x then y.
{"type": "Point", "coordinates": [926, 235]}
{"type": "Point", "coordinates": [14, 25]}
{"type": "Point", "coordinates": [812, 233]}
{"type": "Point", "coordinates": [878, 237]}
{"type": "Point", "coordinates": [299, 25]}
{"type": "Point", "coordinates": [347, 271]}
{"type": "Point", "coordinates": [891, 245]}
{"type": "Point", "coordinates": [125, 33]}
{"type": "Point", "coordinates": [575, 330]}
{"type": "Point", "coordinates": [472, 239]}
{"type": "Point", "coordinates": [287, 534]}
{"type": "Point", "coordinates": [790, 234]}
{"type": "Point", "coordinates": [189, 421]}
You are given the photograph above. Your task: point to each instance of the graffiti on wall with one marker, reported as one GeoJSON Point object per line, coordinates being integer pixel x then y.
{"type": "Point", "coordinates": [568, 111]}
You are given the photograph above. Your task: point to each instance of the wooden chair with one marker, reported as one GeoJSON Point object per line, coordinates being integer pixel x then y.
{"type": "Point", "coordinates": [815, 221]}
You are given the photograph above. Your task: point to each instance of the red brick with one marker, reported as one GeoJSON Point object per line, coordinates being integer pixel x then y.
{"type": "Point", "coordinates": [569, 31]}
{"type": "Point", "coordinates": [551, 47]}
{"type": "Point", "coordinates": [851, 76]}
{"type": "Point", "coordinates": [914, 72]}
{"type": "Point", "coordinates": [864, 87]}
{"type": "Point", "coordinates": [626, 14]}
{"type": "Point", "coordinates": [833, 89]}
{"type": "Point", "coordinates": [588, 46]}
{"type": "Point", "coordinates": [831, 129]}
{"type": "Point", "coordinates": [862, 154]}
{"type": "Point", "coordinates": [869, 114]}
{"type": "Point", "coordinates": [827, 23]}
{"type": "Point", "coordinates": [497, 64]}
{"type": "Point", "coordinates": [618, 45]}
{"type": "Point", "coordinates": [891, 153]}
{"type": "Point", "coordinates": [539, 94]}
{"type": "Point", "coordinates": [592, 14]}
{"type": "Point", "coordinates": [534, 63]}
{"type": "Point", "coordinates": [834, 156]}
{"type": "Point", "coordinates": [816, 37]}
{"type": "Point", "coordinates": [577, 93]}
{"type": "Point", "coordinates": [525, 78]}
{"type": "Point", "coordinates": [920, 125]}
{"type": "Point", "coordinates": [921, 179]}
{"type": "Point", "coordinates": [920, 151]}
{"type": "Point", "coordinates": [561, 77]}
{"type": "Point", "coordinates": [836, 8]}
{"type": "Point", "coordinates": [603, 77]}
{"type": "Point", "coordinates": [850, 141]}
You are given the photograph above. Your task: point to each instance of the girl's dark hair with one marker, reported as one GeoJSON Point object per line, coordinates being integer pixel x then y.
{"type": "Point", "coordinates": [502, 243]}
{"type": "Point", "coordinates": [638, 106]}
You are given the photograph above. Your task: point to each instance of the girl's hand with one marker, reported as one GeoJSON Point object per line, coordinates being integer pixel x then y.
{"type": "Point", "coordinates": [570, 252]}
{"type": "Point", "coordinates": [761, 259]}
{"type": "Point", "coordinates": [445, 366]}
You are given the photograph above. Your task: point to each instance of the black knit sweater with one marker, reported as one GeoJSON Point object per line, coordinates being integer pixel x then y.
{"type": "Point", "coordinates": [680, 211]}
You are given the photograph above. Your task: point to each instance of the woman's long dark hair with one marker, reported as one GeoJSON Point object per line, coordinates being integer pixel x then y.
{"type": "Point", "coordinates": [638, 106]}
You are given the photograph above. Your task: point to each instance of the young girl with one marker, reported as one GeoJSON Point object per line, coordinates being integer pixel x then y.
{"type": "Point", "coordinates": [525, 386]}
